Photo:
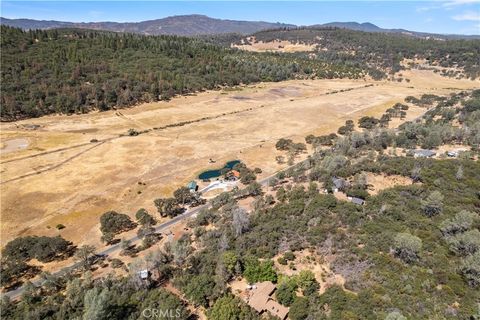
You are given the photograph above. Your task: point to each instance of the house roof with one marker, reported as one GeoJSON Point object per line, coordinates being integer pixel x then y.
{"type": "Point", "coordinates": [260, 300]}
{"type": "Point", "coordinates": [338, 182]}
{"type": "Point", "coordinates": [192, 185]}
{"type": "Point", "coordinates": [260, 295]}
{"type": "Point", "coordinates": [276, 309]}
{"type": "Point", "coordinates": [235, 173]}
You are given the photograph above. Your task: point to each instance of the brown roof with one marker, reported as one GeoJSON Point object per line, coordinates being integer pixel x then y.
{"type": "Point", "coordinates": [261, 300]}
{"type": "Point", "coordinates": [276, 309]}
{"type": "Point", "coordinates": [235, 173]}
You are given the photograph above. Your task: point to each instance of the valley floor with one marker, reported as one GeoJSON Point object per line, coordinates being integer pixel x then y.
{"type": "Point", "coordinates": [71, 169]}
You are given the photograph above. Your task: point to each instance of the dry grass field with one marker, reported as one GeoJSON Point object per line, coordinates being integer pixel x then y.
{"type": "Point", "coordinates": [53, 174]}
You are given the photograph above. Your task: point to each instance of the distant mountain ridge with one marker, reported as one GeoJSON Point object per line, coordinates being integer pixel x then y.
{"type": "Point", "coordinates": [185, 25]}
{"type": "Point", "coordinates": [195, 24]}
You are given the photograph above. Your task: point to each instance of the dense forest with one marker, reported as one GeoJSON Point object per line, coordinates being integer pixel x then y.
{"type": "Point", "coordinates": [410, 252]}
{"type": "Point", "coordinates": [74, 71]}
{"type": "Point", "coordinates": [383, 50]}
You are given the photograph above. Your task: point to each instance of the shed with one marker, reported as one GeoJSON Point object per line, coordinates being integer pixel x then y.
{"type": "Point", "coordinates": [358, 201]}
{"type": "Point", "coordinates": [144, 274]}
{"type": "Point", "coordinates": [192, 185]}
{"type": "Point", "coordinates": [339, 183]}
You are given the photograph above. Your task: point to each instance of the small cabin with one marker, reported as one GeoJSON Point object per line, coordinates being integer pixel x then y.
{"type": "Point", "coordinates": [192, 185]}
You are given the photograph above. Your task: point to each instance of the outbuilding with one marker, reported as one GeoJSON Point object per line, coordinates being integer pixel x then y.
{"type": "Point", "coordinates": [192, 185]}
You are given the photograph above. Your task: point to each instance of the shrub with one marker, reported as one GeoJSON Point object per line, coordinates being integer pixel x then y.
{"type": "Point", "coordinates": [407, 247]}
{"type": "Point", "coordinates": [470, 269]}
{"type": "Point", "coordinates": [460, 223]}
{"type": "Point", "coordinates": [465, 243]}
{"type": "Point", "coordinates": [289, 256]}
{"type": "Point", "coordinates": [433, 204]}
{"type": "Point", "coordinates": [117, 263]}
{"type": "Point", "coordinates": [283, 144]}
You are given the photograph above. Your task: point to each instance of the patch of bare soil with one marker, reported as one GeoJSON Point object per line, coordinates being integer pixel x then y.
{"type": "Point", "coordinates": [307, 260]}
{"type": "Point", "coordinates": [379, 182]}
{"type": "Point", "coordinates": [274, 46]}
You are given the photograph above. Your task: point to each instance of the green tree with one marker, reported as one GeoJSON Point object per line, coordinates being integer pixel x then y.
{"type": "Point", "coordinates": [258, 271]}
{"type": "Point", "coordinates": [285, 292]}
{"type": "Point", "coordinates": [230, 307]}
{"type": "Point", "coordinates": [84, 255]}
{"type": "Point", "coordinates": [299, 310]}
{"type": "Point", "coordinates": [114, 222]}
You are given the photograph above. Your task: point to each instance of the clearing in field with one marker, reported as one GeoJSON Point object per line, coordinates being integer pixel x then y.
{"type": "Point", "coordinates": [70, 169]}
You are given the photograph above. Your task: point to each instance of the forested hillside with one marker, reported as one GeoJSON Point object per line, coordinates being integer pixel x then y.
{"type": "Point", "coordinates": [72, 71]}
{"type": "Point", "coordinates": [382, 49]}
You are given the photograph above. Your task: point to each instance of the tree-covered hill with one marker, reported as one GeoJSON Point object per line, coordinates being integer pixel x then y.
{"type": "Point", "coordinates": [72, 70]}
{"type": "Point", "coordinates": [384, 50]}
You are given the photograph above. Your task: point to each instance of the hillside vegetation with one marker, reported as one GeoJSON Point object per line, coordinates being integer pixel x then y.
{"type": "Point", "coordinates": [383, 50]}
{"type": "Point", "coordinates": [75, 71]}
{"type": "Point", "coordinates": [410, 252]}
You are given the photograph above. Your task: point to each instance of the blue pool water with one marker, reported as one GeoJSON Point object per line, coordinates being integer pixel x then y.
{"type": "Point", "coordinates": [218, 172]}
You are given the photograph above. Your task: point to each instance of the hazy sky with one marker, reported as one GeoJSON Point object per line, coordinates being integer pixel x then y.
{"type": "Point", "coordinates": [451, 16]}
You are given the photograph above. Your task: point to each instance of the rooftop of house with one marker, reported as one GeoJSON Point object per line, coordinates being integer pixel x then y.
{"type": "Point", "coordinates": [338, 182]}
{"type": "Point", "coordinates": [260, 299]}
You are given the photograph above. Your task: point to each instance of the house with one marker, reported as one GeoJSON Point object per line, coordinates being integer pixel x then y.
{"type": "Point", "coordinates": [233, 175]}
{"type": "Point", "coordinates": [260, 299]}
{"type": "Point", "coordinates": [356, 200]}
{"type": "Point", "coordinates": [422, 153]}
{"type": "Point", "coordinates": [192, 185]}
{"type": "Point", "coordinates": [339, 184]}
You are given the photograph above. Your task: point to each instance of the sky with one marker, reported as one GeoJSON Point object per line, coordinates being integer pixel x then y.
{"type": "Point", "coordinates": [448, 17]}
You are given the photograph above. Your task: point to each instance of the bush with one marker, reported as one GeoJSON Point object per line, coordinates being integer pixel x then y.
{"type": "Point", "coordinates": [367, 122]}
{"type": "Point", "coordinates": [470, 269]}
{"type": "Point", "coordinates": [117, 263]}
{"type": "Point", "coordinates": [114, 222]}
{"type": "Point", "coordinates": [289, 256]}
{"type": "Point", "coordinates": [407, 247]}
{"type": "Point", "coordinates": [460, 223]}
{"type": "Point", "coordinates": [433, 204]}
{"type": "Point", "coordinates": [283, 144]}
{"type": "Point", "coordinates": [465, 243]}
